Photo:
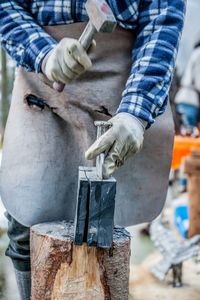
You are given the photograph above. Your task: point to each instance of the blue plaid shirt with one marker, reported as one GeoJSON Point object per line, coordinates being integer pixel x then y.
{"type": "Point", "coordinates": [157, 23]}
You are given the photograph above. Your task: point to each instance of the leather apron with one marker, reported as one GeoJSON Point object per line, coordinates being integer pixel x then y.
{"type": "Point", "coordinates": [43, 149]}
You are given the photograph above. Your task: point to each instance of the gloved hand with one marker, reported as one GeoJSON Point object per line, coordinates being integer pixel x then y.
{"type": "Point", "coordinates": [121, 141]}
{"type": "Point", "coordinates": [66, 61]}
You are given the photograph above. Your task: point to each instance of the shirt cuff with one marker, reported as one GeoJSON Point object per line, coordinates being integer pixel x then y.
{"type": "Point", "coordinates": [140, 107]}
{"type": "Point", "coordinates": [36, 51]}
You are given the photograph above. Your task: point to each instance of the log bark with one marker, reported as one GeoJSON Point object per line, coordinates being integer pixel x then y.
{"type": "Point", "coordinates": [192, 169]}
{"type": "Point", "coordinates": [61, 270]}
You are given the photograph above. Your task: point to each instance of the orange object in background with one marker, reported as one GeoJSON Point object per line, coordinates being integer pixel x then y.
{"type": "Point", "coordinates": [182, 148]}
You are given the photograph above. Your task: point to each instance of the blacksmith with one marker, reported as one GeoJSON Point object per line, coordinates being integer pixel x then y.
{"type": "Point", "coordinates": [126, 78]}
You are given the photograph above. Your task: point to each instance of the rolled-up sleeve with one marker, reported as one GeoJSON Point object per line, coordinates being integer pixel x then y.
{"type": "Point", "coordinates": [159, 29]}
{"type": "Point", "coordinates": [25, 41]}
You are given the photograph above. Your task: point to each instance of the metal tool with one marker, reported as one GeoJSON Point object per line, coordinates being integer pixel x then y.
{"type": "Point", "coordinates": [174, 252]}
{"type": "Point", "coordinates": [94, 219]}
{"type": "Point", "coordinates": [101, 19]}
{"type": "Point", "coordinates": [102, 127]}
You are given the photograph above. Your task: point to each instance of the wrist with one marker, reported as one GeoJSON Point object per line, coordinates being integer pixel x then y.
{"type": "Point", "coordinates": [44, 61]}
{"type": "Point", "coordinates": [142, 123]}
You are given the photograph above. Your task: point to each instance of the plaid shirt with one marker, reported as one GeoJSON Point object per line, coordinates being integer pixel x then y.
{"type": "Point", "coordinates": [157, 23]}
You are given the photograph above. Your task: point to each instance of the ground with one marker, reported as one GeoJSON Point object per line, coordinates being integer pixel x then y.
{"type": "Point", "coordinates": [143, 285]}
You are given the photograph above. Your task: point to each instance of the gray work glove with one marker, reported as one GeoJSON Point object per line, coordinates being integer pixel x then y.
{"type": "Point", "coordinates": [121, 141]}
{"type": "Point", "coordinates": [66, 61]}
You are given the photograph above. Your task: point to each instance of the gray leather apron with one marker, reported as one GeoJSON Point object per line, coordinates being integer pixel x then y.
{"type": "Point", "coordinates": [43, 149]}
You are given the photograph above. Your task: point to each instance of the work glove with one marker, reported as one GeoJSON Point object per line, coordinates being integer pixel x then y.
{"type": "Point", "coordinates": [121, 141]}
{"type": "Point", "coordinates": [66, 61]}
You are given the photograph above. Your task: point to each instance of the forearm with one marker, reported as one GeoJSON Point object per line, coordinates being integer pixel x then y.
{"type": "Point", "coordinates": [24, 40]}
{"type": "Point", "coordinates": [159, 31]}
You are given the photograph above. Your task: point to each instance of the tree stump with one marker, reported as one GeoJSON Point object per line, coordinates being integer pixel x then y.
{"type": "Point", "coordinates": [192, 169]}
{"type": "Point", "coordinates": [61, 270]}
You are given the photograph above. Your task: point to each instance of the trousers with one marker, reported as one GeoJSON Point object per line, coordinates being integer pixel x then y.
{"type": "Point", "coordinates": [19, 244]}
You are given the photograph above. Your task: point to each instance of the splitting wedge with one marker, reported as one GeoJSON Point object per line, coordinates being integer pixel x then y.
{"type": "Point", "coordinates": [94, 219]}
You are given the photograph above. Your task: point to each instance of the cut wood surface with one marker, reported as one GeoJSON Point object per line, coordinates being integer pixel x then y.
{"type": "Point", "coordinates": [61, 270]}
{"type": "Point", "coordinates": [194, 205]}
{"type": "Point", "coordinates": [192, 168]}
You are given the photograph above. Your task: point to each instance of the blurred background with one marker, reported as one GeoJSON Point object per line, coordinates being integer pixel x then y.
{"type": "Point", "coordinates": [165, 260]}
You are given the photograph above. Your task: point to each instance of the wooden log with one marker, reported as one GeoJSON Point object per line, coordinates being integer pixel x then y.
{"type": "Point", "coordinates": [61, 270]}
{"type": "Point", "coordinates": [192, 169]}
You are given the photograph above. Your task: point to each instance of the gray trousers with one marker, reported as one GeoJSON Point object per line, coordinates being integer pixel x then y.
{"type": "Point", "coordinates": [19, 244]}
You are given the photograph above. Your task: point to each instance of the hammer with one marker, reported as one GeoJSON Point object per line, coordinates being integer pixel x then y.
{"type": "Point", "coordinates": [101, 19]}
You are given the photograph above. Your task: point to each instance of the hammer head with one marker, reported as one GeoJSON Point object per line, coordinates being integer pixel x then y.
{"type": "Point", "coordinates": [100, 15]}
